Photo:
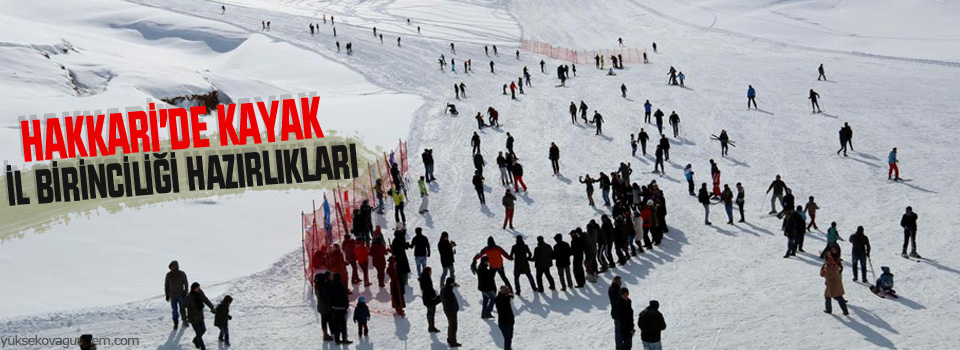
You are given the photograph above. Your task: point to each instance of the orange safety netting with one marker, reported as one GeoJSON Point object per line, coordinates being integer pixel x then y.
{"type": "Point", "coordinates": [629, 55]}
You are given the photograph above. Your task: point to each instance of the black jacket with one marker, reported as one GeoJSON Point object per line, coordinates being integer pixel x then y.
{"type": "Point", "coordinates": [486, 279]}
{"type": "Point", "coordinates": [554, 152]}
{"type": "Point", "coordinates": [909, 221]}
{"type": "Point", "coordinates": [703, 196]}
{"type": "Point", "coordinates": [446, 252]}
{"type": "Point", "coordinates": [625, 316]}
{"type": "Point", "coordinates": [428, 294]}
{"type": "Point", "coordinates": [194, 305]}
{"type": "Point", "coordinates": [860, 243]}
{"type": "Point", "coordinates": [613, 293]}
{"type": "Point", "coordinates": [504, 309]}
{"type": "Point", "coordinates": [421, 246]}
{"type": "Point", "coordinates": [651, 323]}
{"type": "Point", "coordinates": [520, 253]}
{"type": "Point", "coordinates": [561, 253]}
{"type": "Point", "coordinates": [543, 256]}
{"type": "Point", "coordinates": [517, 170]}
{"type": "Point", "coordinates": [222, 316]}
{"type": "Point", "coordinates": [449, 300]}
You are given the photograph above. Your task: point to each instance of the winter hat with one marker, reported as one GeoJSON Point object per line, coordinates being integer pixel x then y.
{"type": "Point", "coordinates": [174, 264]}
{"type": "Point", "coordinates": [885, 269]}
{"type": "Point", "coordinates": [490, 241]}
{"type": "Point", "coordinates": [362, 299]}
{"type": "Point", "coordinates": [650, 202]}
{"type": "Point", "coordinates": [227, 299]}
{"type": "Point", "coordinates": [558, 237]}
{"type": "Point", "coordinates": [195, 285]}
{"type": "Point", "coordinates": [654, 304]}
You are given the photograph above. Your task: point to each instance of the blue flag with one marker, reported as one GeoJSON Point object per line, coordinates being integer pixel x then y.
{"type": "Point", "coordinates": [326, 219]}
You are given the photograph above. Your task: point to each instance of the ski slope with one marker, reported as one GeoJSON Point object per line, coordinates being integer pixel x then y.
{"type": "Point", "coordinates": [719, 286]}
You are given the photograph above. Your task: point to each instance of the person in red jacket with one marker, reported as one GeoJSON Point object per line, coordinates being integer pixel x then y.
{"type": "Point", "coordinates": [351, 258]}
{"type": "Point", "coordinates": [362, 254]}
{"type": "Point", "coordinates": [378, 252]}
{"type": "Point", "coordinates": [646, 212]}
{"type": "Point", "coordinates": [495, 254]}
{"type": "Point", "coordinates": [335, 262]}
{"type": "Point", "coordinates": [396, 289]}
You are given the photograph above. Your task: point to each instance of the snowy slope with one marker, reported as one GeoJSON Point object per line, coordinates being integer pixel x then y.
{"type": "Point", "coordinates": [721, 286]}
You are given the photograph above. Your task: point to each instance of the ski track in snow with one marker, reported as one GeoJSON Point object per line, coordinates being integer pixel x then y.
{"type": "Point", "coordinates": [720, 286]}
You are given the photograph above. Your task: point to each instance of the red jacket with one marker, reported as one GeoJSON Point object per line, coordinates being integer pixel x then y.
{"type": "Point", "coordinates": [379, 254]}
{"type": "Point", "coordinates": [645, 214]}
{"type": "Point", "coordinates": [360, 250]}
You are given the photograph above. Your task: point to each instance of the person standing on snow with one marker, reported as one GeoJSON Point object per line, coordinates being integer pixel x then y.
{"type": "Point", "coordinates": [778, 187]}
{"type": "Point", "coordinates": [892, 163]}
{"type": "Point", "coordinates": [860, 252]}
{"type": "Point", "coordinates": [583, 111]}
{"type": "Point", "coordinates": [613, 294]}
{"type": "Point", "coordinates": [554, 156]}
{"type": "Point", "coordinates": [646, 111]}
{"type": "Point", "coordinates": [680, 76]}
{"type": "Point", "coordinates": [491, 68]}
{"type": "Point", "coordinates": [846, 136]}
{"type": "Point", "coordinates": [427, 157]}
{"type": "Point", "coordinates": [658, 116]}
{"type": "Point", "coordinates": [832, 273]}
{"type": "Point", "coordinates": [573, 112]}
{"type": "Point", "coordinates": [814, 104]}
{"type": "Point", "coordinates": [820, 70]}
{"type": "Point", "coordinates": [195, 301]}
{"type": "Point", "coordinates": [521, 255]}
{"type": "Point", "coordinates": [542, 70]}
{"type": "Point", "coordinates": [658, 160]}
{"type": "Point", "coordinates": [398, 204]}
{"type": "Point", "coordinates": [505, 178]}
{"type": "Point", "coordinates": [740, 201]}
{"type": "Point", "coordinates": [175, 290]}
{"type": "Point", "coordinates": [543, 261]}
{"type": "Point", "coordinates": [561, 254]}
{"type": "Point", "coordinates": [651, 323]}
{"type": "Point", "coordinates": [378, 254]}
{"type": "Point", "coordinates": [421, 250]}
{"type": "Point", "coordinates": [675, 123]}
{"type": "Point", "coordinates": [446, 249]}
{"type": "Point", "coordinates": [688, 174]}
{"type": "Point", "coordinates": [513, 90]}
{"type": "Point", "coordinates": [424, 196]}
{"type": "Point", "coordinates": [598, 119]}
{"type": "Point", "coordinates": [478, 163]}
{"type": "Point", "coordinates": [495, 256]}
{"type": "Point", "coordinates": [751, 97]}
{"type": "Point", "coordinates": [429, 297]}
{"type": "Point", "coordinates": [604, 183]}
{"type": "Point", "coordinates": [623, 90]}
{"type": "Point", "coordinates": [451, 307]}
{"type": "Point", "coordinates": [589, 182]}
{"type": "Point", "coordinates": [578, 248]}
{"type": "Point", "coordinates": [811, 210]}
{"type": "Point", "coordinates": [726, 197]}
{"type": "Point", "coordinates": [510, 145]}
{"type": "Point", "coordinates": [724, 143]}
{"type": "Point", "coordinates": [478, 186]}
{"type": "Point", "coordinates": [399, 248]}
{"type": "Point", "coordinates": [509, 203]}
{"type": "Point", "coordinates": [704, 198]}
{"type": "Point", "coordinates": [475, 142]}
{"type": "Point", "coordinates": [517, 171]}
{"type": "Point", "coordinates": [487, 286]}
{"type": "Point", "coordinates": [633, 146]}
{"type": "Point", "coordinates": [627, 327]}
{"type": "Point", "coordinates": [909, 224]}
{"type": "Point", "coordinates": [505, 319]}
{"type": "Point", "coordinates": [643, 137]}
{"type": "Point", "coordinates": [665, 145]}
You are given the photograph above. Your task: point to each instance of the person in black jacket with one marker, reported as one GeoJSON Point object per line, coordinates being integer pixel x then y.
{"type": "Point", "coordinates": [478, 185]}
{"type": "Point", "coordinates": [651, 323]}
{"type": "Point", "coordinates": [555, 158]}
{"type": "Point", "coordinates": [421, 249]}
{"type": "Point", "coordinates": [704, 197]}
{"type": "Point", "coordinates": [505, 317]}
{"type": "Point", "coordinates": [625, 314]}
{"type": "Point", "coordinates": [222, 319]}
{"type": "Point", "coordinates": [860, 253]}
{"type": "Point", "coordinates": [361, 316]}
{"type": "Point", "coordinates": [606, 229]}
{"type": "Point", "coordinates": [521, 255]}
{"type": "Point", "coordinates": [578, 248]}
{"type": "Point", "coordinates": [451, 306]}
{"type": "Point", "coordinates": [323, 302]}
{"type": "Point", "coordinates": [613, 294]}
{"type": "Point", "coordinates": [430, 298]}
{"type": "Point", "coordinates": [428, 164]}
{"type": "Point", "coordinates": [487, 285]}
{"type": "Point", "coordinates": [339, 304]}
{"type": "Point", "coordinates": [399, 248]}
{"type": "Point", "coordinates": [909, 224]}
{"type": "Point", "coordinates": [446, 249]}
{"type": "Point", "coordinates": [543, 261]}
{"type": "Point", "coordinates": [561, 254]}
{"type": "Point", "coordinates": [194, 305]}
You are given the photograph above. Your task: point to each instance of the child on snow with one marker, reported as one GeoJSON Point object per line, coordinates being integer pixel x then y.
{"type": "Point", "coordinates": [222, 318]}
{"type": "Point", "coordinates": [884, 284]}
{"type": "Point", "coordinates": [361, 314]}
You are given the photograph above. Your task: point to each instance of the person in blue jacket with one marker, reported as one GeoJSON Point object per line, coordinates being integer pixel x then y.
{"type": "Point", "coordinates": [884, 286]}
{"type": "Point", "coordinates": [361, 315]}
{"type": "Point", "coordinates": [892, 162]}
{"type": "Point", "coordinates": [646, 111]}
{"type": "Point", "coordinates": [751, 97]}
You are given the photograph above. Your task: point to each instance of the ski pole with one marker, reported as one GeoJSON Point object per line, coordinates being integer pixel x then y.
{"type": "Point", "coordinates": [870, 262]}
{"type": "Point", "coordinates": [764, 200]}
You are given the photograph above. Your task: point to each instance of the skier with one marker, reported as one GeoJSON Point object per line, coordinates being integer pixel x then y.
{"type": "Point", "coordinates": [398, 42]}
{"type": "Point", "coordinates": [517, 171]}
{"type": "Point", "coordinates": [724, 143]}
{"type": "Point", "coordinates": [675, 123]}
{"type": "Point", "coordinates": [820, 70]}
{"type": "Point", "coordinates": [598, 119]}
{"type": "Point", "coordinates": [175, 290]}
{"type": "Point", "coordinates": [583, 111]}
{"type": "Point", "coordinates": [505, 319]}
{"type": "Point", "coordinates": [688, 174]}
{"type": "Point", "coordinates": [645, 61]}
{"type": "Point", "coordinates": [508, 201]}
{"type": "Point", "coordinates": [421, 250]}
{"type": "Point", "coordinates": [487, 286]}
{"type": "Point", "coordinates": [814, 97]}
{"type": "Point", "coordinates": [831, 271]}
{"type": "Point", "coordinates": [486, 50]}
{"type": "Point", "coordinates": [643, 137]}
{"type": "Point", "coordinates": [311, 28]}
{"type": "Point", "coordinates": [681, 77]}
{"type": "Point", "coordinates": [475, 142]}
{"type": "Point", "coordinates": [521, 255]}
{"type": "Point", "coordinates": [223, 9]}
{"type": "Point", "coordinates": [740, 201]}
{"type": "Point", "coordinates": [561, 254]}
{"type": "Point", "coordinates": [446, 249]}
{"type": "Point", "coordinates": [520, 85]}
{"type": "Point", "coordinates": [665, 145]}
{"type": "Point", "coordinates": [424, 196]}
{"type": "Point", "coordinates": [195, 301]}
{"type": "Point", "coordinates": [751, 97]}
{"type": "Point", "coordinates": [646, 111]}
{"type": "Point", "coordinates": [542, 69]}
{"type": "Point", "coordinates": [495, 52]}
{"type": "Point", "coordinates": [672, 76]}
{"type": "Point", "coordinates": [494, 116]}
{"type": "Point", "coordinates": [658, 115]}
{"type": "Point", "coordinates": [778, 187]}
{"type": "Point", "coordinates": [651, 323]}
{"type": "Point", "coordinates": [589, 182]}
{"type": "Point", "coordinates": [726, 197]}
{"type": "Point", "coordinates": [513, 90]}
{"type": "Point", "coordinates": [811, 209]}
{"type": "Point", "coordinates": [451, 306]}
{"type": "Point", "coordinates": [654, 47]}
{"type": "Point", "coordinates": [554, 156]}
{"type": "Point", "coordinates": [463, 87]}
{"type": "Point", "coordinates": [909, 224]}
{"type": "Point", "coordinates": [704, 198]}
{"type": "Point", "coordinates": [453, 49]}
{"type": "Point", "coordinates": [620, 40]}
{"type": "Point", "coordinates": [596, 61]}
{"type": "Point", "coordinates": [478, 186]}
{"type": "Point", "coordinates": [892, 163]}
{"type": "Point", "coordinates": [860, 252]}
{"type": "Point", "coordinates": [518, 54]}
{"type": "Point", "coordinates": [543, 260]}
{"type": "Point", "coordinates": [623, 90]}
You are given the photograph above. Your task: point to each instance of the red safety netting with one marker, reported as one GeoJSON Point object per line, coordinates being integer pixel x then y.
{"type": "Point", "coordinates": [629, 55]}
{"type": "Point", "coordinates": [320, 229]}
